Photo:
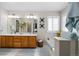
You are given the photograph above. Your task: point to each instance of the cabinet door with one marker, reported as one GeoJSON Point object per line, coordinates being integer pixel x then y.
{"type": "Point", "coordinates": [17, 41]}
{"type": "Point", "coordinates": [32, 41]}
{"type": "Point", "coordinates": [0, 41]}
{"type": "Point", "coordinates": [24, 41]}
{"type": "Point", "coordinates": [9, 41]}
{"type": "Point", "coordinates": [3, 41]}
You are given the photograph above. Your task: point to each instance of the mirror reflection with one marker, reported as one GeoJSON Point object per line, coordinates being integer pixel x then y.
{"type": "Point", "coordinates": [20, 25]}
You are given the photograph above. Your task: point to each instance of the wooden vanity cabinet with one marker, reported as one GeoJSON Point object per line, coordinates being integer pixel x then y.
{"type": "Point", "coordinates": [18, 41]}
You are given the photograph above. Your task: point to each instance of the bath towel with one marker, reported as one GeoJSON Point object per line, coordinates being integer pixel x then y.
{"type": "Point", "coordinates": [72, 20]}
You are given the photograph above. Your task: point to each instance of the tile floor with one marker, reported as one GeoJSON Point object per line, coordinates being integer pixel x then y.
{"type": "Point", "coordinates": [44, 51]}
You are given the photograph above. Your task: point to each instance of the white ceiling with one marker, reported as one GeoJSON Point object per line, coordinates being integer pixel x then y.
{"type": "Point", "coordinates": [34, 6]}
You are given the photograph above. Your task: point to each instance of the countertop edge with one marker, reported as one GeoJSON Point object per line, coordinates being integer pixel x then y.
{"type": "Point", "coordinates": [18, 34]}
{"type": "Point", "coordinates": [63, 39]}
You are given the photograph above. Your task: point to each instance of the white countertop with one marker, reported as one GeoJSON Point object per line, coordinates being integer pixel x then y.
{"type": "Point", "coordinates": [18, 34]}
{"type": "Point", "coordinates": [62, 39]}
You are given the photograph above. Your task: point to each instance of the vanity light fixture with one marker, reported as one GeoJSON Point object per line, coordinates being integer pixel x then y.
{"type": "Point", "coordinates": [31, 16]}
{"type": "Point", "coordinates": [13, 16]}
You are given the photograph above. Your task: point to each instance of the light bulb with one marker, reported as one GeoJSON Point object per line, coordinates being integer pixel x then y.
{"type": "Point", "coordinates": [34, 17]}
{"type": "Point", "coordinates": [31, 16]}
{"type": "Point", "coordinates": [27, 16]}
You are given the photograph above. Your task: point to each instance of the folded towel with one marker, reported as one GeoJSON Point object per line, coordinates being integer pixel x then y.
{"type": "Point", "coordinates": [72, 21]}
{"type": "Point", "coordinates": [70, 24]}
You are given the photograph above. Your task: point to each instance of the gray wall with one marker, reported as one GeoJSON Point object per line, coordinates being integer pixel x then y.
{"type": "Point", "coordinates": [3, 20]}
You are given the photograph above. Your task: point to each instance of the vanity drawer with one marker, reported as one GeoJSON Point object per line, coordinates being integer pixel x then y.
{"type": "Point", "coordinates": [17, 45]}
{"type": "Point", "coordinates": [17, 39]}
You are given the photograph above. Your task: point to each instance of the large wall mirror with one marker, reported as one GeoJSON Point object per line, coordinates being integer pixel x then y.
{"type": "Point", "coordinates": [20, 25]}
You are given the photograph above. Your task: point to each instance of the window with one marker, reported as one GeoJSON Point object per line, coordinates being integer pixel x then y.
{"type": "Point", "coordinates": [53, 23]}
{"type": "Point", "coordinates": [50, 21]}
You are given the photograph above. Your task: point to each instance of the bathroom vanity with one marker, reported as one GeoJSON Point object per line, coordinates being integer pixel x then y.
{"type": "Point", "coordinates": [19, 33]}
{"type": "Point", "coordinates": [18, 41]}
{"type": "Point", "coordinates": [65, 47]}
